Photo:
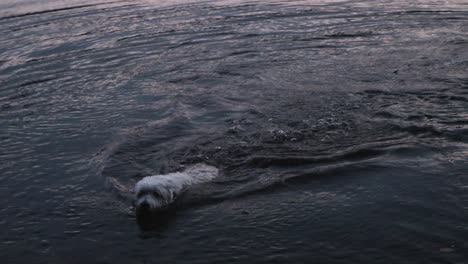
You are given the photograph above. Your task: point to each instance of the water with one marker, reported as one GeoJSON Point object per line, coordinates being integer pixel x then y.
{"type": "Point", "coordinates": [340, 129]}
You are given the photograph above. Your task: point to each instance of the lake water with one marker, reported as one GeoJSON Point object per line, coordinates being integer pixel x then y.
{"type": "Point", "coordinates": [340, 129]}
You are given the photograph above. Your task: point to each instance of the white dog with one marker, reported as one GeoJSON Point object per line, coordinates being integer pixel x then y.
{"type": "Point", "coordinates": [156, 193]}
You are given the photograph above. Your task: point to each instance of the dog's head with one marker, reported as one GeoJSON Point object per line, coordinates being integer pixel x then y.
{"type": "Point", "coordinates": [153, 202]}
{"type": "Point", "coordinates": [153, 195]}
{"type": "Point", "coordinates": [148, 201]}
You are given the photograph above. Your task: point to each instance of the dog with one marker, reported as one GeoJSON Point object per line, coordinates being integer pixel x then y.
{"type": "Point", "coordinates": [156, 194]}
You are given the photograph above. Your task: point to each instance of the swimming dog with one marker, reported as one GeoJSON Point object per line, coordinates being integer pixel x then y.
{"type": "Point", "coordinates": [156, 194]}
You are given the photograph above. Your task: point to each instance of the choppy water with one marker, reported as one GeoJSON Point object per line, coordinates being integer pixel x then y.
{"type": "Point", "coordinates": [340, 128]}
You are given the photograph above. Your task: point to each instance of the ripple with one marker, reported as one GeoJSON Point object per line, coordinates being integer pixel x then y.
{"type": "Point", "coordinates": [339, 127]}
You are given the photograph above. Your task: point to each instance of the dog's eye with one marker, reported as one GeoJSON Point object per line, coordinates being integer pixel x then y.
{"type": "Point", "coordinates": [141, 193]}
{"type": "Point", "coordinates": [156, 194]}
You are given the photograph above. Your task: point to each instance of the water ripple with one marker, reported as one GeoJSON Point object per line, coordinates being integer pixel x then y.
{"type": "Point", "coordinates": [339, 126]}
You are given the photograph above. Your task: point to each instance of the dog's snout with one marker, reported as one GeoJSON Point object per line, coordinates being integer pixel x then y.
{"type": "Point", "coordinates": [144, 205]}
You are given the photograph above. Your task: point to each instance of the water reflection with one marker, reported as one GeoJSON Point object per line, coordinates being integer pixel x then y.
{"type": "Point", "coordinates": [339, 127]}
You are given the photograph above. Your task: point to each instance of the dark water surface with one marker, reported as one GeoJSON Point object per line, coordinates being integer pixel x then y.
{"type": "Point", "coordinates": [340, 128]}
